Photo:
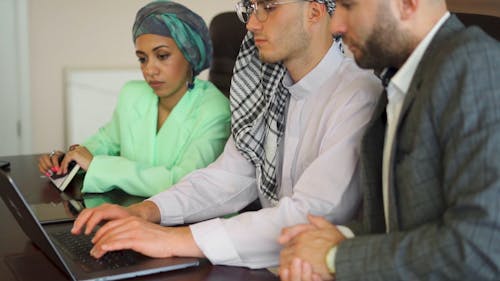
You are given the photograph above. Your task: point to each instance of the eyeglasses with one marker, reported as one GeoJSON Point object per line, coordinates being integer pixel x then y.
{"type": "Point", "coordinates": [245, 8]}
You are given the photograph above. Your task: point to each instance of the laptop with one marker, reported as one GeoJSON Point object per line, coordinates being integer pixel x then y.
{"type": "Point", "coordinates": [58, 244]}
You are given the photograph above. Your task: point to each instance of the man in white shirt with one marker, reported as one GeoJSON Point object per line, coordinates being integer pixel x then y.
{"type": "Point", "coordinates": [429, 164]}
{"type": "Point", "coordinates": [299, 108]}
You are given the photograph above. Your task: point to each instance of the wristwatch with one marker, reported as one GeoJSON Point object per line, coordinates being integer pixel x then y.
{"type": "Point", "coordinates": [330, 259]}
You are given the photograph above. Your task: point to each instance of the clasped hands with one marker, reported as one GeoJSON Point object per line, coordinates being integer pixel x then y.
{"type": "Point", "coordinates": [305, 247]}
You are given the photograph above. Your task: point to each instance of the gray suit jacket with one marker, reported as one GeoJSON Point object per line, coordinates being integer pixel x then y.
{"type": "Point", "coordinates": [445, 172]}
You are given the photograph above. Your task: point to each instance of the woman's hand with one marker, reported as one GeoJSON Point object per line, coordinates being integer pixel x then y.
{"type": "Point", "coordinates": [80, 154]}
{"type": "Point", "coordinates": [48, 164]}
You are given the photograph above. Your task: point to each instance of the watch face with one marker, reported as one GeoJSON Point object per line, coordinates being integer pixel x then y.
{"type": "Point", "coordinates": [330, 259]}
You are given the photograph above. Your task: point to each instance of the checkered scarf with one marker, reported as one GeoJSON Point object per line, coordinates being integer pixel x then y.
{"type": "Point", "coordinates": [258, 106]}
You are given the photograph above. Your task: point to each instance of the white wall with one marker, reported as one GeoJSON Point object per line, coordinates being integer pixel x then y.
{"type": "Point", "coordinates": [81, 34]}
{"type": "Point", "coordinates": [15, 111]}
{"type": "Point", "coordinates": [9, 101]}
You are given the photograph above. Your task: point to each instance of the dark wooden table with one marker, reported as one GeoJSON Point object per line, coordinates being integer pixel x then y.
{"type": "Point", "coordinates": [22, 260]}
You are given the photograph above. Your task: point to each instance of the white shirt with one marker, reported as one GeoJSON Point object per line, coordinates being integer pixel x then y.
{"type": "Point", "coordinates": [327, 114]}
{"type": "Point", "coordinates": [396, 92]}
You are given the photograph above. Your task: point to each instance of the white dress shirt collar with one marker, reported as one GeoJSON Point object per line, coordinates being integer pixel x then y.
{"type": "Point", "coordinates": [396, 92]}
{"type": "Point", "coordinates": [316, 77]}
{"type": "Point", "coordinates": [403, 77]}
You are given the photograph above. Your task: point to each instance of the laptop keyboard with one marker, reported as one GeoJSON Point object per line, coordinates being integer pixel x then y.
{"type": "Point", "coordinates": [79, 246]}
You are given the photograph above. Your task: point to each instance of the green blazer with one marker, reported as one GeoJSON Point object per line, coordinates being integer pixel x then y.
{"type": "Point", "coordinates": [130, 155]}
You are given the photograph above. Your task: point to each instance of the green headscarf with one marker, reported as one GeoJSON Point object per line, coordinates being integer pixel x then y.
{"type": "Point", "coordinates": [187, 28]}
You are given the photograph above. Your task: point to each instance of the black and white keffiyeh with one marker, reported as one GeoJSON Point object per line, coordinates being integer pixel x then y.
{"type": "Point", "coordinates": [258, 104]}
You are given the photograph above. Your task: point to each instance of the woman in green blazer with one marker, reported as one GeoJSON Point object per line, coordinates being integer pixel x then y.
{"type": "Point", "coordinates": [163, 127]}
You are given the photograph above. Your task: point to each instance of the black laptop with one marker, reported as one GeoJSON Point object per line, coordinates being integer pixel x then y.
{"type": "Point", "coordinates": [71, 252]}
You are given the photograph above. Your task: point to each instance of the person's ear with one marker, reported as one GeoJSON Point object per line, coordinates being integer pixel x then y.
{"type": "Point", "coordinates": [315, 11]}
{"type": "Point", "coordinates": [407, 8]}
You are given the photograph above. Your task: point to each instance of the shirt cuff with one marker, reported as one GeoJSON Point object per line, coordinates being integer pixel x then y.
{"type": "Point", "coordinates": [214, 242]}
{"type": "Point", "coordinates": [89, 181]}
{"type": "Point", "coordinates": [332, 253]}
{"type": "Point", "coordinates": [346, 231]}
{"type": "Point", "coordinates": [170, 213]}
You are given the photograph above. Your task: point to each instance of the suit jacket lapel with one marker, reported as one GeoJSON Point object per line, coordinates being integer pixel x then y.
{"type": "Point", "coordinates": [425, 65]}
{"type": "Point", "coordinates": [446, 30]}
{"type": "Point", "coordinates": [371, 169]}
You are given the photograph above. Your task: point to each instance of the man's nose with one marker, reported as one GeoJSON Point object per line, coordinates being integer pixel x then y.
{"type": "Point", "coordinates": [253, 24]}
{"type": "Point", "coordinates": [337, 23]}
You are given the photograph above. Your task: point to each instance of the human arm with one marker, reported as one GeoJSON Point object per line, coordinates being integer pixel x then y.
{"type": "Point", "coordinates": [105, 142]}
{"type": "Point", "coordinates": [236, 174]}
{"type": "Point", "coordinates": [448, 228]}
{"type": "Point", "coordinates": [224, 187]}
{"type": "Point", "coordinates": [249, 239]}
{"type": "Point", "coordinates": [192, 137]}
{"type": "Point", "coordinates": [147, 179]}
{"type": "Point", "coordinates": [321, 129]}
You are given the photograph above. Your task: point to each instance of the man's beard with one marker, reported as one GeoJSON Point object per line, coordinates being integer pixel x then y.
{"type": "Point", "coordinates": [387, 46]}
{"type": "Point", "coordinates": [290, 45]}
